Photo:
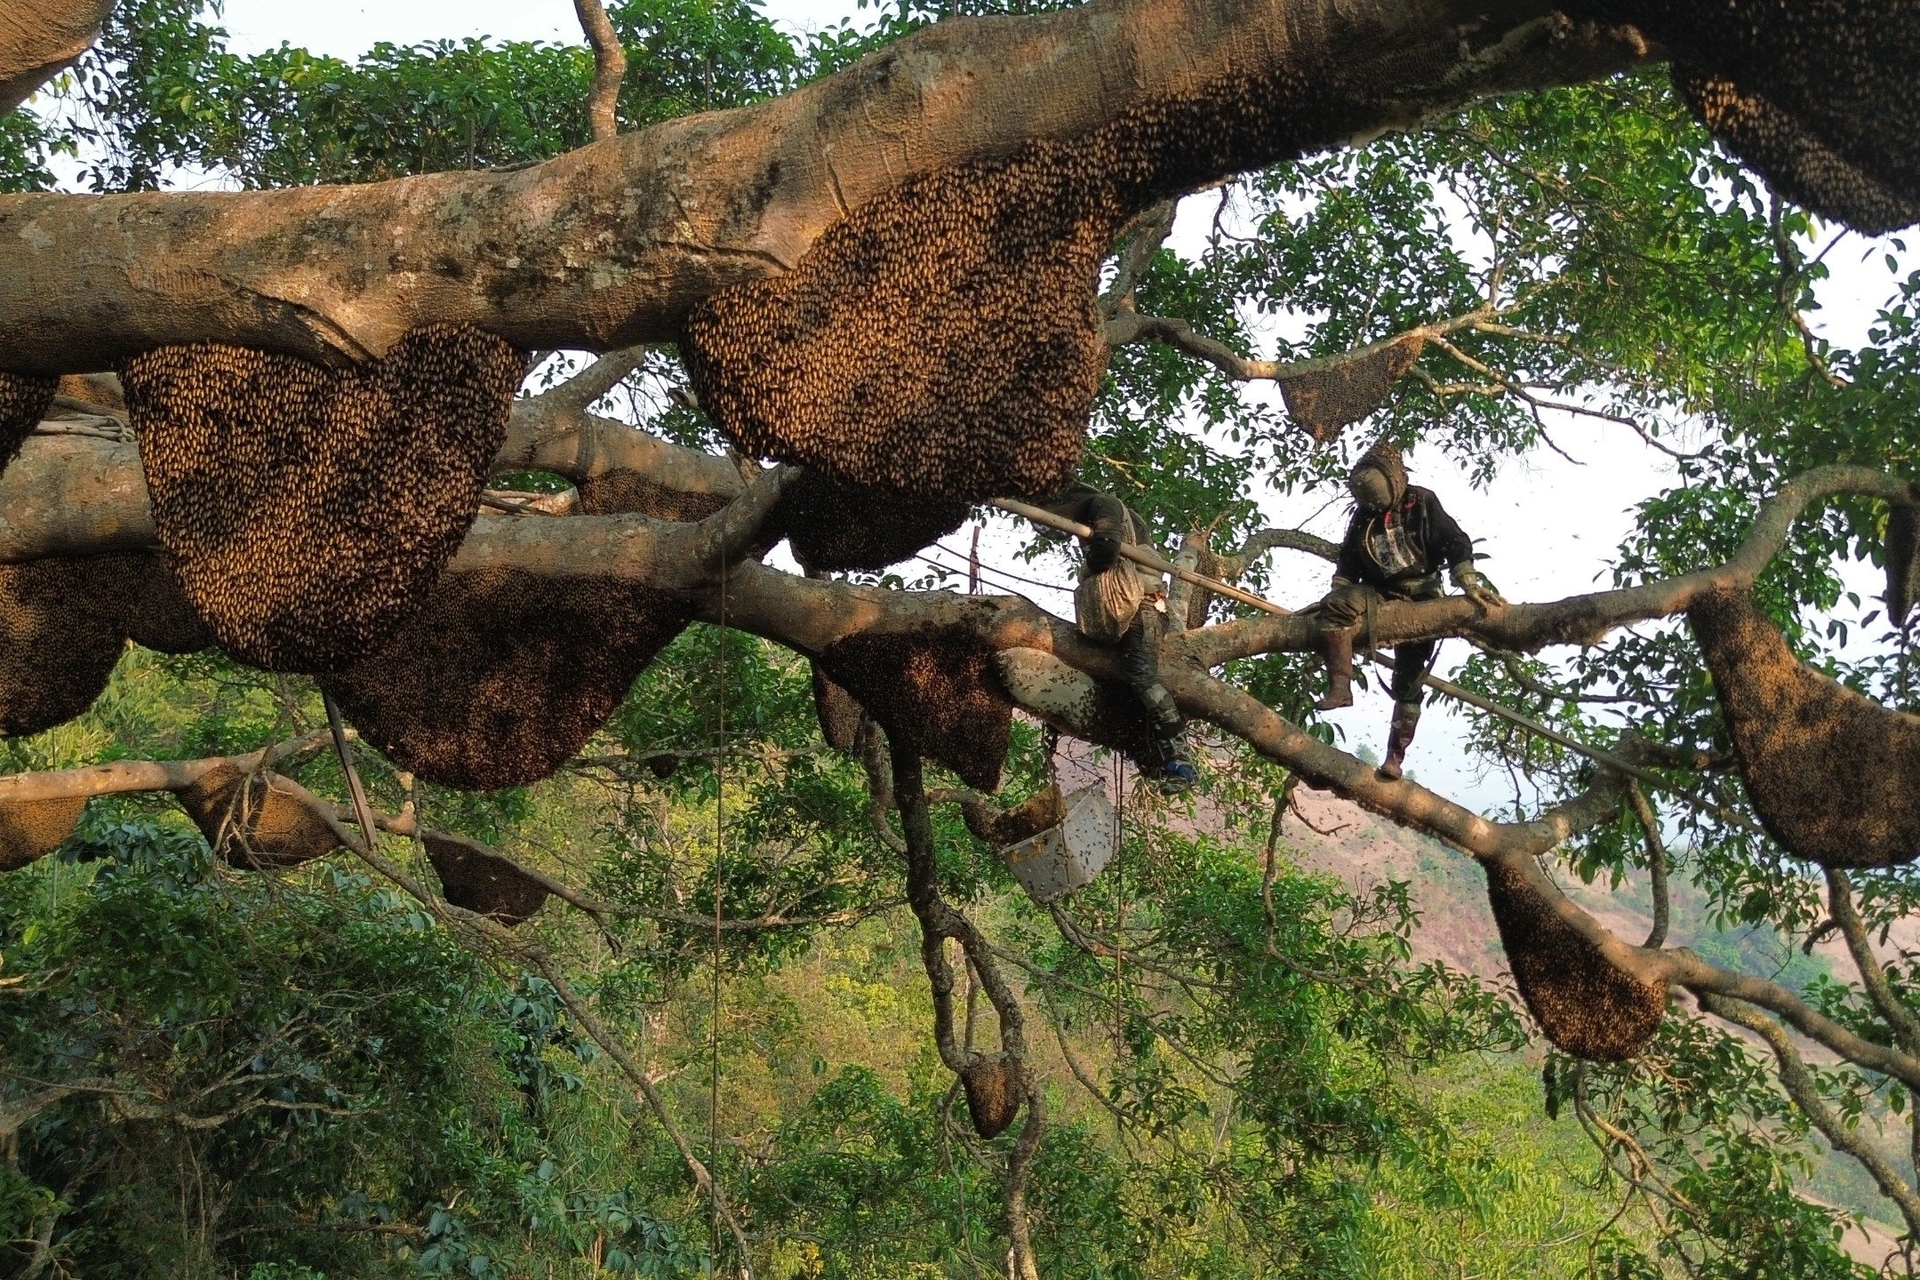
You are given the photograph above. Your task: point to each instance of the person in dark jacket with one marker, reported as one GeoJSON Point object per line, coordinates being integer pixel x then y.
{"type": "Point", "coordinates": [1115, 526]}
{"type": "Point", "coordinates": [1398, 540]}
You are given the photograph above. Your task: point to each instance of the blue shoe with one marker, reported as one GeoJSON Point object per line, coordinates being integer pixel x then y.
{"type": "Point", "coordinates": [1177, 777]}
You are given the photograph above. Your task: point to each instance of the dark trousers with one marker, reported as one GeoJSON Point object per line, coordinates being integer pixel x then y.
{"type": "Point", "coordinates": [1352, 605]}
{"type": "Point", "coordinates": [1140, 663]}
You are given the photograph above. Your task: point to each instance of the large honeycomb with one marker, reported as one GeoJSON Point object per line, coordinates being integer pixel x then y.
{"type": "Point", "coordinates": [1831, 773]}
{"type": "Point", "coordinates": [838, 713]}
{"type": "Point", "coordinates": [258, 821]}
{"type": "Point", "coordinates": [943, 339]}
{"type": "Point", "coordinates": [994, 1093]}
{"type": "Point", "coordinates": [935, 690]}
{"type": "Point", "coordinates": [477, 879]}
{"type": "Point", "coordinates": [62, 628]}
{"type": "Point", "coordinates": [1586, 1005]}
{"type": "Point", "coordinates": [307, 510]}
{"type": "Point", "coordinates": [32, 829]}
{"type": "Point", "coordinates": [836, 528]}
{"type": "Point", "coordinates": [159, 617]}
{"type": "Point", "coordinates": [503, 675]}
{"type": "Point", "coordinates": [24, 401]}
{"type": "Point", "coordinates": [1820, 98]}
{"type": "Point", "coordinates": [1349, 388]}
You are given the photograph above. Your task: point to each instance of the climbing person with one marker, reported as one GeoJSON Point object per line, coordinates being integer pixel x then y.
{"type": "Point", "coordinates": [1396, 543]}
{"type": "Point", "coordinates": [1124, 604]}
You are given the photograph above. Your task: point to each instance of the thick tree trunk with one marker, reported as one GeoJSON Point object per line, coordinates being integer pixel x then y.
{"type": "Point", "coordinates": [41, 38]}
{"type": "Point", "coordinates": [611, 244]}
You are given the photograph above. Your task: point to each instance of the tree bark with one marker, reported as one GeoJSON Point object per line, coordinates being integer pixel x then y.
{"type": "Point", "coordinates": [610, 245]}
{"type": "Point", "coordinates": [41, 38]}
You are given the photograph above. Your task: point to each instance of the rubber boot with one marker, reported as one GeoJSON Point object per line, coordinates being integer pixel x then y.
{"type": "Point", "coordinates": [1338, 648]}
{"type": "Point", "coordinates": [1177, 774]}
{"type": "Point", "coordinates": [1406, 718]}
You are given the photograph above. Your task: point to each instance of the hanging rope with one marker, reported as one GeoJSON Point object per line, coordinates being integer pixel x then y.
{"type": "Point", "coordinates": [719, 850]}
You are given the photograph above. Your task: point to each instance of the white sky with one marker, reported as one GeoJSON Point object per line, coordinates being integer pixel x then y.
{"type": "Point", "coordinates": [1547, 525]}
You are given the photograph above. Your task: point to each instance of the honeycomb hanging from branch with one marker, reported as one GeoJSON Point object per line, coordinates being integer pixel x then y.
{"type": "Point", "coordinates": [477, 879]}
{"type": "Point", "coordinates": [1902, 561]}
{"type": "Point", "coordinates": [503, 675]}
{"type": "Point", "coordinates": [308, 510]}
{"type": "Point", "coordinates": [621, 490]}
{"type": "Point", "coordinates": [1587, 1005]}
{"type": "Point", "coordinates": [258, 821]}
{"type": "Point", "coordinates": [32, 829]}
{"type": "Point", "coordinates": [943, 340]}
{"type": "Point", "coordinates": [837, 528]}
{"type": "Point", "coordinates": [994, 1093]}
{"type": "Point", "coordinates": [24, 401]}
{"type": "Point", "coordinates": [62, 629]}
{"type": "Point", "coordinates": [936, 690]}
{"type": "Point", "coordinates": [1350, 387]}
{"type": "Point", "coordinates": [838, 713]}
{"type": "Point", "coordinates": [1821, 99]}
{"type": "Point", "coordinates": [1831, 773]}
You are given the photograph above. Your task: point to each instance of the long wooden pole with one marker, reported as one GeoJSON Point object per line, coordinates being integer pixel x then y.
{"type": "Point", "coordinates": [1041, 516]}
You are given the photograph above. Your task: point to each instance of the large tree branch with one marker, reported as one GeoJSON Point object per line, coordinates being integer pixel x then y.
{"type": "Point", "coordinates": [41, 38]}
{"type": "Point", "coordinates": [611, 244]}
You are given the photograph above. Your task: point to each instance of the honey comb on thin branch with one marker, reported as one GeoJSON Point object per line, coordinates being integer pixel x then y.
{"type": "Point", "coordinates": [1587, 1006]}
{"type": "Point", "coordinates": [1830, 772]}
{"type": "Point", "coordinates": [1323, 401]}
{"type": "Point", "coordinates": [992, 1086]}
{"type": "Point", "coordinates": [935, 689]}
{"type": "Point", "coordinates": [258, 821]}
{"type": "Point", "coordinates": [32, 829]}
{"type": "Point", "coordinates": [503, 675]}
{"type": "Point", "coordinates": [477, 879]}
{"type": "Point", "coordinates": [308, 509]}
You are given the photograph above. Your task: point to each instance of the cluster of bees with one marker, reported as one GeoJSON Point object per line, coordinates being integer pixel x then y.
{"type": "Point", "coordinates": [936, 690]}
{"type": "Point", "coordinates": [502, 675]}
{"type": "Point", "coordinates": [24, 401]}
{"type": "Point", "coordinates": [476, 878]}
{"type": "Point", "coordinates": [258, 821]}
{"type": "Point", "coordinates": [1323, 401]}
{"type": "Point", "coordinates": [1829, 771]}
{"type": "Point", "coordinates": [836, 528]}
{"type": "Point", "coordinates": [64, 622]}
{"type": "Point", "coordinates": [262, 466]}
{"type": "Point", "coordinates": [1586, 1005]}
{"type": "Point", "coordinates": [1818, 98]}
{"type": "Point", "coordinates": [620, 490]}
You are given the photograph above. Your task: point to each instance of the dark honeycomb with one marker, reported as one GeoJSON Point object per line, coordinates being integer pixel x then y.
{"type": "Point", "coordinates": [1831, 773]}
{"type": "Point", "coordinates": [1820, 98]}
{"type": "Point", "coordinates": [308, 510]}
{"type": "Point", "coordinates": [502, 676]}
{"type": "Point", "coordinates": [24, 401]}
{"type": "Point", "coordinates": [838, 528]}
{"type": "Point", "coordinates": [258, 821]}
{"type": "Point", "coordinates": [62, 628]}
{"type": "Point", "coordinates": [1903, 562]}
{"type": "Point", "coordinates": [477, 879]}
{"type": "Point", "coordinates": [621, 490]}
{"type": "Point", "coordinates": [160, 617]}
{"type": "Point", "coordinates": [838, 713]}
{"type": "Point", "coordinates": [32, 829]}
{"type": "Point", "coordinates": [992, 1086]}
{"type": "Point", "coordinates": [1586, 1005]}
{"type": "Point", "coordinates": [943, 340]}
{"type": "Point", "coordinates": [1348, 389]}
{"type": "Point", "coordinates": [935, 690]}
